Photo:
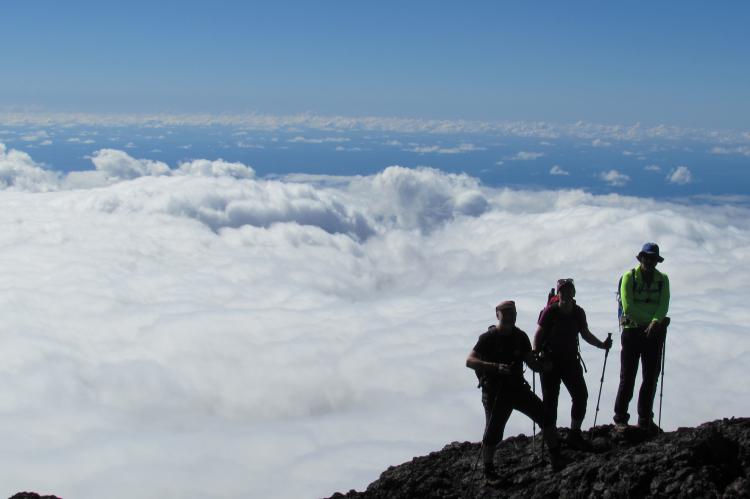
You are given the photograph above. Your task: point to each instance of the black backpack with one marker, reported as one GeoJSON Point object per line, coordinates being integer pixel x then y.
{"type": "Point", "coordinates": [619, 297]}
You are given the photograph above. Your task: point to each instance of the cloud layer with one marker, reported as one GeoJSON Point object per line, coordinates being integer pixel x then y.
{"type": "Point", "coordinates": [197, 331]}
{"type": "Point", "coordinates": [599, 135]}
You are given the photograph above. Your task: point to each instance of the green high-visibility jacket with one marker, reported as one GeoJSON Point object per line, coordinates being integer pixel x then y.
{"type": "Point", "coordinates": [642, 303]}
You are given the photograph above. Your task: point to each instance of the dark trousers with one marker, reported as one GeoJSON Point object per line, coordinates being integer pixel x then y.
{"type": "Point", "coordinates": [499, 405]}
{"type": "Point", "coordinates": [635, 347]}
{"type": "Point", "coordinates": [569, 372]}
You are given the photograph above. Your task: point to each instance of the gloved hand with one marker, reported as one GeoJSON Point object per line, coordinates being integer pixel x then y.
{"type": "Point", "coordinates": [607, 344]}
{"type": "Point", "coordinates": [652, 330]}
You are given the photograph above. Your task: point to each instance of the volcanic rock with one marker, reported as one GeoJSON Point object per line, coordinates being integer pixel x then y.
{"type": "Point", "coordinates": [710, 461]}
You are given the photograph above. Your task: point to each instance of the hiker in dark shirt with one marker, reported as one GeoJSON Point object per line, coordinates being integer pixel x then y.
{"type": "Point", "coordinates": [556, 340]}
{"type": "Point", "coordinates": [497, 358]}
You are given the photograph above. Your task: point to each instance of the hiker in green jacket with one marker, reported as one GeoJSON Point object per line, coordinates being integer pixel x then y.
{"type": "Point", "coordinates": [644, 293]}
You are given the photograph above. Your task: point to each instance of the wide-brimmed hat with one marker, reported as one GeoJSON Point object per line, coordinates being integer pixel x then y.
{"type": "Point", "coordinates": [651, 249]}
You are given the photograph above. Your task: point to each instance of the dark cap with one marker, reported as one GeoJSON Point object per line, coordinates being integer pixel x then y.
{"type": "Point", "coordinates": [506, 305]}
{"type": "Point", "coordinates": [651, 249]}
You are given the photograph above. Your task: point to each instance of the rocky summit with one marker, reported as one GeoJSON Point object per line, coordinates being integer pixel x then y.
{"type": "Point", "coordinates": [710, 461]}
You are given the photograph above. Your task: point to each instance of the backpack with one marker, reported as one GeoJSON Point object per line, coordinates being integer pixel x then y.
{"type": "Point", "coordinates": [552, 298]}
{"type": "Point", "coordinates": [619, 297]}
{"type": "Point", "coordinates": [620, 319]}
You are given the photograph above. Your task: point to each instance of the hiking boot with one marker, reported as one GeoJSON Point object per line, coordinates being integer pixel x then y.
{"type": "Point", "coordinates": [556, 460]}
{"type": "Point", "coordinates": [490, 473]}
{"type": "Point", "coordinates": [650, 428]}
{"type": "Point", "coordinates": [575, 441]}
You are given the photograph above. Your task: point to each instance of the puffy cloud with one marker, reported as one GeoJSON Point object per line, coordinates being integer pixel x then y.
{"type": "Point", "coordinates": [600, 143]}
{"type": "Point", "coordinates": [219, 168]}
{"type": "Point", "coordinates": [614, 178]}
{"type": "Point", "coordinates": [421, 198]}
{"type": "Point", "coordinates": [558, 170]}
{"type": "Point", "coordinates": [680, 176]}
{"type": "Point", "coordinates": [19, 172]}
{"type": "Point", "coordinates": [118, 164]}
{"type": "Point", "coordinates": [164, 332]}
{"type": "Point", "coordinates": [114, 166]}
{"type": "Point", "coordinates": [652, 168]}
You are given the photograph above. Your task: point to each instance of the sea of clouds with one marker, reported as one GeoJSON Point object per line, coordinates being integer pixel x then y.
{"type": "Point", "coordinates": [193, 330]}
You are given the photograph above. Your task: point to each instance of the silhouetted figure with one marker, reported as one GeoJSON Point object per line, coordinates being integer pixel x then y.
{"type": "Point", "coordinates": [498, 359]}
{"type": "Point", "coordinates": [556, 340]}
{"type": "Point", "coordinates": [644, 293]}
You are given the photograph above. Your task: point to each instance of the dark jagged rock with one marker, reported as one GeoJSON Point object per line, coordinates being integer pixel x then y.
{"type": "Point", "coordinates": [710, 461]}
{"type": "Point", "coordinates": [31, 495]}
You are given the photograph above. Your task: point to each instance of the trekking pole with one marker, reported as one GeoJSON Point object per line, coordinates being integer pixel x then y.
{"type": "Point", "coordinates": [663, 358]}
{"type": "Point", "coordinates": [601, 381]}
{"type": "Point", "coordinates": [481, 447]}
{"type": "Point", "coordinates": [533, 435]}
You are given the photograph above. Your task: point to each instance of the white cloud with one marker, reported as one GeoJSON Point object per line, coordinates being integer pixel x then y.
{"type": "Point", "coordinates": [628, 153]}
{"type": "Point", "coordinates": [35, 136]}
{"type": "Point", "coordinates": [260, 122]}
{"type": "Point", "coordinates": [78, 140]}
{"type": "Point", "coordinates": [248, 145]}
{"type": "Point", "coordinates": [652, 168]}
{"type": "Point", "coordinates": [19, 172]}
{"type": "Point", "coordinates": [741, 150]}
{"type": "Point", "coordinates": [119, 165]}
{"type": "Point", "coordinates": [219, 168]}
{"type": "Point", "coordinates": [161, 333]}
{"type": "Point", "coordinates": [680, 176]}
{"type": "Point", "coordinates": [434, 149]}
{"type": "Point", "coordinates": [525, 156]}
{"type": "Point", "coordinates": [558, 170]}
{"type": "Point", "coordinates": [322, 140]}
{"type": "Point", "coordinates": [600, 143]}
{"type": "Point", "coordinates": [614, 178]}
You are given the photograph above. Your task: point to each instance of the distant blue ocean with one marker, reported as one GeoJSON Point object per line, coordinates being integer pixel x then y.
{"type": "Point", "coordinates": [642, 167]}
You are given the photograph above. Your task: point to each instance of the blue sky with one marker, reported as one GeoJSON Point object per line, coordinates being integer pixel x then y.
{"type": "Point", "coordinates": [183, 185]}
{"type": "Point", "coordinates": [679, 63]}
